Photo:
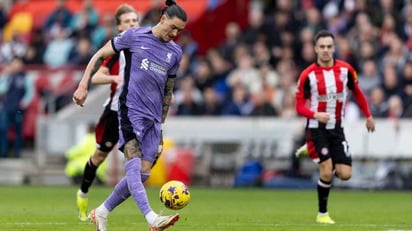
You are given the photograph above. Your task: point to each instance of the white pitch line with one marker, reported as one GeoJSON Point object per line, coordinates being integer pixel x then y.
{"type": "Point", "coordinates": [37, 223]}
{"type": "Point", "coordinates": [300, 224]}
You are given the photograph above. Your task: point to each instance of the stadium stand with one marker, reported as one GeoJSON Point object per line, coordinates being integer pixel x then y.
{"type": "Point", "coordinates": [267, 41]}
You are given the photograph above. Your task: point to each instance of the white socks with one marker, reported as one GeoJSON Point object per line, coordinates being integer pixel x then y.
{"type": "Point", "coordinates": [102, 211]}
{"type": "Point", "coordinates": [151, 217]}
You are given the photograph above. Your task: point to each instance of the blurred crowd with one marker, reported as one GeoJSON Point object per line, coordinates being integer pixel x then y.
{"type": "Point", "coordinates": [253, 72]}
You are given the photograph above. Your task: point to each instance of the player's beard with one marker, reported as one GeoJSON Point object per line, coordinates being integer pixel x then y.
{"type": "Point", "coordinates": [325, 59]}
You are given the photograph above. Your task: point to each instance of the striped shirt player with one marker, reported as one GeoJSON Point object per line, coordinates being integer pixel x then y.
{"type": "Point", "coordinates": [326, 89]}
{"type": "Point", "coordinates": [321, 96]}
{"type": "Point", "coordinates": [107, 131]}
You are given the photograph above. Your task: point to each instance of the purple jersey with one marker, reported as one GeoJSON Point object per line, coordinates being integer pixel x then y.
{"type": "Point", "coordinates": [149, 62]}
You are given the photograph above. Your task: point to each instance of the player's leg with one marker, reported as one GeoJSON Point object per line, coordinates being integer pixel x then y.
{"type": "Point", "coordinates": [107, 135]}
{"type": "Point", "coordinates": [323, 189]}
{"type": "Point", "coordinates": [318, 147]}
{"type": "Point", "coordinates": [119, 194]}
{"type": "Point", "coordinates": [343, 171]}
{"type": "Point", "coordinates": [148, 145]}
{"type": "Point", "coordinates": [302, 151]}
{"type": "Point", "coordinates": [342, 157]}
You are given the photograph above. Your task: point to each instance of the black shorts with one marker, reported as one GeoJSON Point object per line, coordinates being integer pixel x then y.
{"type": "Point", "coordinates": [328, 143]}
{"type": "Point", "coordinates": [107, 130]}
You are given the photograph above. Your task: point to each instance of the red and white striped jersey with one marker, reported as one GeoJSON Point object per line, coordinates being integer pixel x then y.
{"type": "Point", "coordinates": [114, 63]}
{"type": "Point", "coordinates": [325, 89]}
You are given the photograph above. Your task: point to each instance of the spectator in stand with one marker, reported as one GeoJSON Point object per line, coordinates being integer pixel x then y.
{"type": "Point", "coordinates": [35, 50]}
{"type": "Point", "coordinates": [395, 107]}
{"type": "Point", "coordinates": [407, 89]}
{"type": "Point", "coordinates": [82, 52]}
{"type": "Point", "coordinates": [261, 106]}
{"type": "Point", "coordinates": [344, 50]}
{"type": "Point", "coordinates": [269, 80]}
{"type": "Point", "coordinates": [220, 69]}
{"type": "Point", "coordinates": [366, 52]}
{"type": "Point", "coordinates": [313, 19]}
{"type": "Point", "coordinates": [13, 48]}
{"type": "Point", "coordinates": [363, 31]}
{"type": "Point", "coordinates": [188, 97]}
{"type": "Point", "coordinates": [406, 24]}
{"type": "Point", "coordinates": [288, 110]}
{"type": "Point", "coordinates": [245, 73]}
{"type": "Point", "coordinates": [288, 72]}
{"type": "Point", "coordinates": [388, 27]}
{"type": "Point", "coordinates": [212, 104]}
{"type": "Point", "coordinates": [85, 20]}
{"type": "Point", "coordinates": [307, 55]}
{"type": "Point", "coordinates": [104, 32]}
{"type": "Point", "coordinates": [369, 77]}
{"type": "Point", "coordinates": [397, 53]}
{"type": "Point", "coordinates": [58, 50]}
{"type": "Point", "coordinates": [261, 54]}
{"type": "Point", "coordinates": [239, 103]}
{"type": "Point", "coordinates": [233, 36]}
{"type": "Point", "coordinates": [255, 30]}
{"type": "Point", "coordinates": [151, 17]}
{"type": "Point", "coordinates": [391, 82]}
{"type": "Point", "coordinates": [203, 76]}
{"type": "Point", "coordinates": [305, 46]}
{"type": "Point", "coordinates": [58, 20]}
{"type": "Point", "coordinates": [377, 103]}
{"type": "Point", "coordinates": [16, 94]}
{"type": "Point", "coordinates": [189, 46]}
{"type": "Point", "coordinates": [188, 106]}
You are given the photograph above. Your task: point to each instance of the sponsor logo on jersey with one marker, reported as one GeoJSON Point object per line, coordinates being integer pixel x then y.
{"type": "Point", "coordinates": [148, 65]}
{"type": "Point", "coordinates": [332, 96]}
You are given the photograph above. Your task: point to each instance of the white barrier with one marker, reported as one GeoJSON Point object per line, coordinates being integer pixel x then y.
{"type": "Point", "coordinates": [391, 140]}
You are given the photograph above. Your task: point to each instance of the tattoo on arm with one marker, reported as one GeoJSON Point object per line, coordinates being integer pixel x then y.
{"type": "Point", "coordinates": [170, 83]}
{"type": "Point", "coordinates": [96, 66]}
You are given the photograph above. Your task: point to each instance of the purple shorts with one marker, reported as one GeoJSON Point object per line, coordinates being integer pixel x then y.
{"type": "Point", "coordinates": [145, 131]}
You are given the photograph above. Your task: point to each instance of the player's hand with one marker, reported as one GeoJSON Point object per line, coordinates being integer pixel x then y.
{"type": "Point", "coordinates": [322, 117]}
{"type": "Point", "coordinates": [80, 95]}
{"type": "Point", "coordinates": [370, 124]}
{"type": "Point", "coordinates": [117, 79]}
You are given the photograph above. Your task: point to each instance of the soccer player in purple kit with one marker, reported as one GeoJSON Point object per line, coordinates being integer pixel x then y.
{"type": "Point", "coordinates": [151, 63]}
{"type": "Point", "coordinates": [107, 132]}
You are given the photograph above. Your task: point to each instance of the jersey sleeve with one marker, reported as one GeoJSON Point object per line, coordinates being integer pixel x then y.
{"type": "Point", "coordinates": [123, 40]}
{"type": "Point", "coordinates": [302, 95]}
{"type": "Point", "coordinates": [357, 92]}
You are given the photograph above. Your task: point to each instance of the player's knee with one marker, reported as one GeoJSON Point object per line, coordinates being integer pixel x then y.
{"type": "Point", "coordinates": [132, 149]}
{"type": "Point", "coordinates": [98, 157]}
{"type": "Point", "coordinates": [344, 175]}
{"type": "Point", "coordinates": [326, 175]}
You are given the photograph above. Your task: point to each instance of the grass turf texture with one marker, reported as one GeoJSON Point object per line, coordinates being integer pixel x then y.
{"type": "Point", "coordinates": [54, 208]}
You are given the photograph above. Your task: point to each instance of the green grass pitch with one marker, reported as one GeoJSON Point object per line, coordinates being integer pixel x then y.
{"type": "Point", "coordinates": [54, 208]}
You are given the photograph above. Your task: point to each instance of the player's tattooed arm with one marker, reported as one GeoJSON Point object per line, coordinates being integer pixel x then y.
{"type": "Point", "coordinates": [96, 66]}
{"type": "Point", "coordinates": [167, 100]}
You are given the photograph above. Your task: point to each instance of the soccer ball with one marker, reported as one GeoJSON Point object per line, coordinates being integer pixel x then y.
{"type": "Point", "coordinates": [174, 195]}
